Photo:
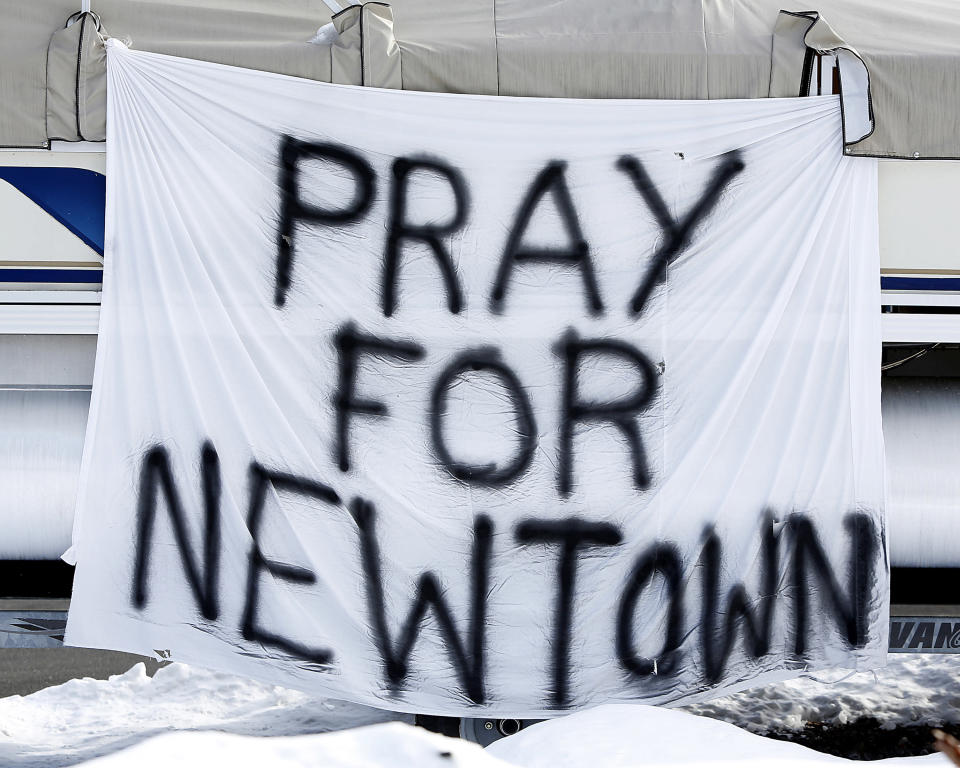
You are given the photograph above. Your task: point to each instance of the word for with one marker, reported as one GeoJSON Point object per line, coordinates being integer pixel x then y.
{"type": "Point", "coordinates": [620, 412]}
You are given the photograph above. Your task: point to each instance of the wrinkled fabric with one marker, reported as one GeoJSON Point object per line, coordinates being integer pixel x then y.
{"type": "Point", "coordinates": [724, 441]}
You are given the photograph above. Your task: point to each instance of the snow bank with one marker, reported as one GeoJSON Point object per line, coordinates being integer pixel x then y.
{"type": "Point", "coordinates": [913, 689]}
{"type": "Point", "coordinates": [615, 736]}
{"type": "Point", "coordinates": [147, 719]}
{"type": "Point", "coordinates": [81, 719]}
{"type": "Point", "coordinates": [391, 745]}
{"type": "Point", "coordinates": [628, 735]}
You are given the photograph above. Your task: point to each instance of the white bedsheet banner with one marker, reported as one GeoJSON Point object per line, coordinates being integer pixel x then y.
{"type": "Point", "coordinates": [463, 404]}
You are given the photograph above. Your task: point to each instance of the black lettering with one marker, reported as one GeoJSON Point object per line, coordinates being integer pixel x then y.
{"type": "Point", "coordinates": [664, 559]}
{"type": "Point", "coordinates": [899, 633]}
{"type": "Point", "coordinates": [293, 209]}
{"type": "Point", "coordinates": [621, 413]}
{"type": "Point", "coordinates": [757, 626]}
{"type": "Point", "coordinates": [922, 635]}
{"type": "Point", "coordinates": [678, 233]}
{"type": "Point", "coordinates": [572, 535]}
{"type": "Point", "coordinates": [155, 471]}
{"type": "Point", "coordinates": [483, 359]}
{"type": "Point", "coordinates": [467, 657]}
{"type": "Point", "coordinates": [401, 230]}
{"type": "Point", "coordinates": [551, 179]}
{"type": "Point", "coordinates": [948, 635]}
{"type": "Point", "coordinates": [810, 563]}
{"type": "Point", "coordinates": [350, 345]}
{"type": "Point", "coordinates": [260, 480]}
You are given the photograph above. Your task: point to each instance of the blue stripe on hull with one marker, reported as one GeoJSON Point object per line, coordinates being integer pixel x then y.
{"type": "Point", "coordinates": [51, 275]}
{"type": "Point", "coordinates": [892, 283]}
{"type": "Point", "coordinates": [75, 197]}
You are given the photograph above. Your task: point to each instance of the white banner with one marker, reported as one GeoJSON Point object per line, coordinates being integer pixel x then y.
{"type": "Point", "coordinates": [464, 404]}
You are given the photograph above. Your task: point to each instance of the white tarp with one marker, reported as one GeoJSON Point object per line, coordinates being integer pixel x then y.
{"type": "Point", "coordinates": [382, 408]}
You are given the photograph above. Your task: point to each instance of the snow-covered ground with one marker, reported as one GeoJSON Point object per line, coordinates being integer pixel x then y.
{"type": "Point", "coordinates": [81, 719]}
{"type": "Point", "coordinates": [913, 689]}
{"type": "Point", "coordinates": [615, 736]}
{"type": "Point", "coordinates": [204, 718]}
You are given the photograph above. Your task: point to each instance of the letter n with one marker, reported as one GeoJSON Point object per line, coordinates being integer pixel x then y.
{"type": "Point", "coordinates": [850, 611]}
{"type": "Point", "coordinates": [156, 476]}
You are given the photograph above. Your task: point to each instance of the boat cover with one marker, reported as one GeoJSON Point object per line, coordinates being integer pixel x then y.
{"type": "Point", "coordinates": [52, 77]}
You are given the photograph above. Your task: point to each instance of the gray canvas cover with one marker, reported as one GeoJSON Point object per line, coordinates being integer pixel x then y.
{"type": "Point", "coordinates": [25, 33]}
{"type": "Point", "coordinates": [912, 52]}
{"type": "Point", "coordinates": [618, 49]}
{"type": "Point", "coordinates": [798, 35]}
{"type": "Point", "coordinates": [364, 50]}
{"type": "Point", "coordinates": [77, 81]}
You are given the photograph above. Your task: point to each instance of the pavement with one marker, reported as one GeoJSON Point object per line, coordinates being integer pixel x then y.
{"type": "Point", "coordinates": [26, 670]}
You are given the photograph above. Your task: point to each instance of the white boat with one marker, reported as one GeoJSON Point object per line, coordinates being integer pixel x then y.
{"type": "Point", "coordinates": [52, 185]}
